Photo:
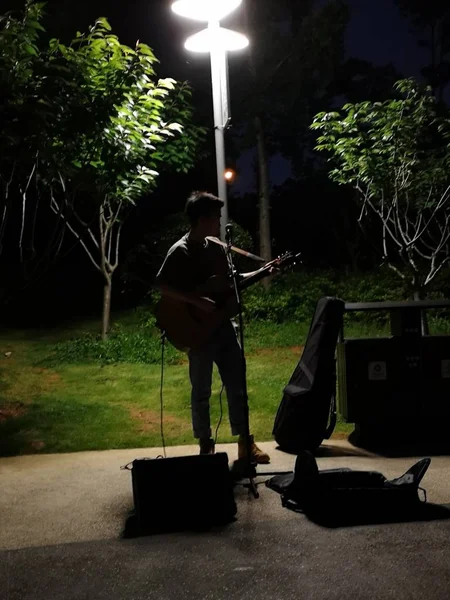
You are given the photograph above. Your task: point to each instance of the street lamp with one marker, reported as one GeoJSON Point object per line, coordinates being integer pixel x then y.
{"type": "Point", "coordinates": [217, 41]}
{"type": "Point", "coordinates": [205, 10]}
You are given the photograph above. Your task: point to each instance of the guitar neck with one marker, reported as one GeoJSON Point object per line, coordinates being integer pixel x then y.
{"type": "Point", "coordinates": [251, 279]}
{"type": "Point", "coordinates": [288, 259]}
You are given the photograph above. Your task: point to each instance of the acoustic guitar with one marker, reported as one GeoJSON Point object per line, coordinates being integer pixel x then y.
{"type": "Point", "coordinates": [188, 327]}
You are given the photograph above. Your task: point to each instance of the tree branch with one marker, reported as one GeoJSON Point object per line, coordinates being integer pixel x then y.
{"type": "Point", "coordinates": [442, 201]}
{"type": "Point", "coordinates": [116, 262]}
{"type": "Point", "coordinates": [109, 235]}
{"type": "Point", "coordinates": [5, 209]}
{"type": "Point", "coordinates": [56, 210]}
{"type": "Point", "coordinates": [24, 199]}
{"type": "Point", "coordinates": [399, 273]}
{"type": "Point", "coordinates": [102, 222]}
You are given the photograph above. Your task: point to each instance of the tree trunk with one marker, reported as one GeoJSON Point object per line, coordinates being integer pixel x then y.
{"type": "Point", "coordinates": [106, 313]}
{"type": "Point", "coordinates": [265, 242]}
{"type": "Point", "coordinates": [419, 295]}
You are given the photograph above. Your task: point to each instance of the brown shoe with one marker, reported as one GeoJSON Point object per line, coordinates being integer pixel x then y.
{"type": "Point", "coordinates": [258, 456]}
{"type": "Point", "coordinates": [207, 446]}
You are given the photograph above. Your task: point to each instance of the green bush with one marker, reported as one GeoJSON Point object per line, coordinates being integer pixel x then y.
{"type": "Point", "coordinates": [293, 297]}
{"type": "Point", "coordinates": [134, 339]}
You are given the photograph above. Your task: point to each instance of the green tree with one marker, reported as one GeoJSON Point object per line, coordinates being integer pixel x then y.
{"type": "Point", "coordinates": [396, 154]}
{"type": "Point", "coordinates": [103, 126]}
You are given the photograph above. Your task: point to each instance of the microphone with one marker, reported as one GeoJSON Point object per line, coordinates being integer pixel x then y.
{"type": "Point", "coordinates": [229, 233]}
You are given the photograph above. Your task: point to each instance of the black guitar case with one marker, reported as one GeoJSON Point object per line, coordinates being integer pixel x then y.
{"type": "Point", "coordinates": [307, 413]}
{"type": "Point", "coordinates": [345, 493]}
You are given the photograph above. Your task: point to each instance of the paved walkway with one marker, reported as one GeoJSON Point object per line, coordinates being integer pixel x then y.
{"type": "Point", "coordinates": [62, 519]}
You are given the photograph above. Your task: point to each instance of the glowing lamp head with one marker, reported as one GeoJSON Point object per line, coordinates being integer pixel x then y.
{"type": "Point", "coordinates": [205, 10]}
{"type": "Point", "coordinates": [230, 175]}
{"type": "Point", "coordinates": [218, 38]}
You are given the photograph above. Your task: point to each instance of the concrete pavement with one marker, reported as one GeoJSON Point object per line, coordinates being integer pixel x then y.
{"type": "Point", "coordinates": [62, 518]}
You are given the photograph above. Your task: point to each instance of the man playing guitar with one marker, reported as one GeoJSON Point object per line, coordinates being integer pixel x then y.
{"type": "Point", "coordinates": [189, 264]}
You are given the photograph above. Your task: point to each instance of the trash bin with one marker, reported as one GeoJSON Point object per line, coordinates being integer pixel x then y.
{"type": "Point", "coordinates": [397, 386]}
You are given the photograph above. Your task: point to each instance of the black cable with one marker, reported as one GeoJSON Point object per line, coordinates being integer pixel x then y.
{"type": "Point", "coordinates": [163, 340]}
{"type": "Point", "coordinates": [221, 414]}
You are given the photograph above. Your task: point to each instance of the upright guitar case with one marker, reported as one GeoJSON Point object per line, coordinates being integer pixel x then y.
{"type": "Point", "coordinates": [307, 413]}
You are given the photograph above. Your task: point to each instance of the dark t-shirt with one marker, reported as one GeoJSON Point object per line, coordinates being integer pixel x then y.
{"type": "Point", "coordinates": [189, 264]}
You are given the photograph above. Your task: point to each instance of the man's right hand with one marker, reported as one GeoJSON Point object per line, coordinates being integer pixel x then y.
{"type": "Point", "coordinates": [206, 304]}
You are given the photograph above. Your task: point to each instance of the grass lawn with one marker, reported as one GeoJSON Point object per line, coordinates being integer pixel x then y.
{"type": "Point", "coordinates": [67, 404]}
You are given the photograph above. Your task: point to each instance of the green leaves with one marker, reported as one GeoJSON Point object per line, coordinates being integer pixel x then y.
{"type": "Point", "coordinates": [103, 23]}
{"type": "Point", "coordinates": [397, 156]}
{"type": "Point", "coordinates": [175, 127]}
{"type": "Point", "coordinates": [35, 25]}
{"type": "Point", "coordinates": [31, 49]}
{"type": "Point", "coordinates": [94, 112]}
{"type": "Point", "coordinates": [168, 83]}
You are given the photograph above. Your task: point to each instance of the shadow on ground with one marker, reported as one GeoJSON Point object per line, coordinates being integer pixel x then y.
{"type": "Point", "coordinates": [134, 528]}
{"type": "Point", "coordinates": [340, 517]}
{"type": "Point", "coordinates": [329, 450]}
{"type": "Point", "coordinates": [335, 451]}
{"type": "Point", "coordinates": [333, 518]}
{"type": "Point", "coordinates": [391, 447]}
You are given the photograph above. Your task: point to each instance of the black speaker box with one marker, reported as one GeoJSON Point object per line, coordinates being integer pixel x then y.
{"type": "Point", "coordinates": [183, 492]}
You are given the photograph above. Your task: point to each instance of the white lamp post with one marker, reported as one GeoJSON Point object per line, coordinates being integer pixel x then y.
{"type": "Point", "coordinates": [217, 41]}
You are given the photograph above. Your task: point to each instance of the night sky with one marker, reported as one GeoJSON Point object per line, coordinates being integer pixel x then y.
{"type": "Point", "coordinates": [380, 34]}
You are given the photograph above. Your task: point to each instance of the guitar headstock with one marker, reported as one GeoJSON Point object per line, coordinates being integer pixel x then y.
{"type": "Point", "coordinates": [288, 259]}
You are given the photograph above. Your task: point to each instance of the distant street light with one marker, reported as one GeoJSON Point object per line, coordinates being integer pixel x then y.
{"type": "Point", "coordinates": [230, 175]}
{"type": "Point", "coordinates": [217, 41]}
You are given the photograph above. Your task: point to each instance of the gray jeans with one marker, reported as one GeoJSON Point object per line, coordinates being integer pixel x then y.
{"type": "Point", "coordinates": [223, 349]}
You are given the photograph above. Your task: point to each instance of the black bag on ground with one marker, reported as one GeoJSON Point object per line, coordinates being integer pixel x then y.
{"type": "Point", "coordinates": [309, 400]}
{"type": "Point", "coordinates": [183, 492]}
{"type": "Point", "coordinates": [346, 490]}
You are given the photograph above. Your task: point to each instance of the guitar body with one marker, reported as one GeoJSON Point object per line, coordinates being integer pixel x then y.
{"type": "Point", "coordinates": [184, 326]}
{"type": "Point", "coordinates": [188, 327]}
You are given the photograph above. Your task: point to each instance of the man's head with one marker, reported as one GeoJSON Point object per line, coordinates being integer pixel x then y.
{"type": "Point", "coordinates": [203, 211]}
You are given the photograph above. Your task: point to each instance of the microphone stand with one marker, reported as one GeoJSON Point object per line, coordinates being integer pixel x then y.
{"type": "Point", "coordinates": [246, 468]}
